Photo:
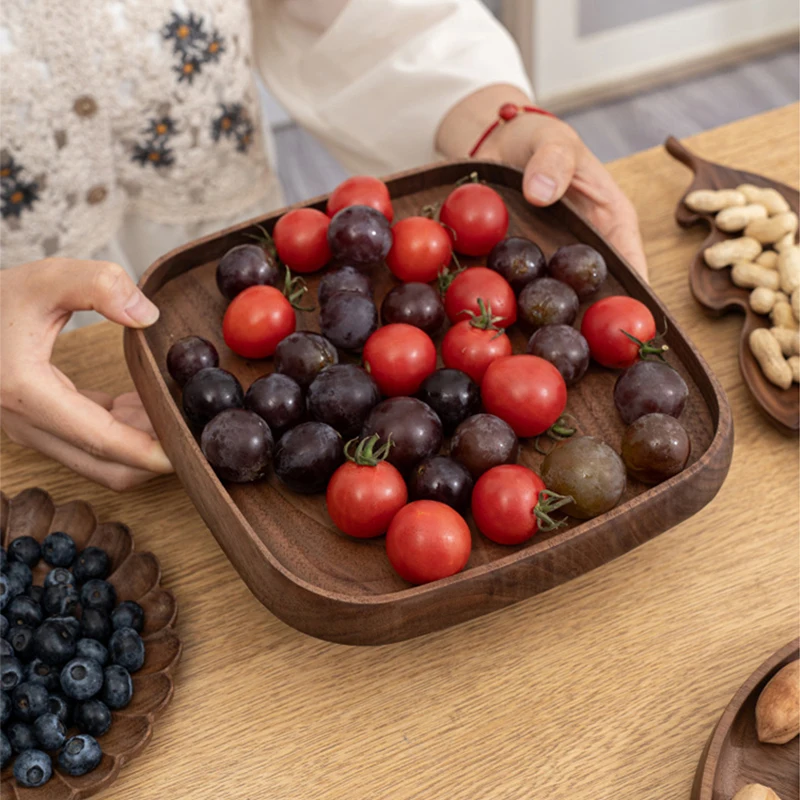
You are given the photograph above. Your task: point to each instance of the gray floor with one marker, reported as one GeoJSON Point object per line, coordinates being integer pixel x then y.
{"type": "Point", "coordinates": [611, 130]}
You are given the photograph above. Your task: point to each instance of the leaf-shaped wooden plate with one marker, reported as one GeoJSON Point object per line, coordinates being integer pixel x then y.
{"type": "Point", "coordinates": [135, 576]}
{"type": "Point", "coordinates": [716, 292]}
{"type": "Point", "coordinates": [734, 757]}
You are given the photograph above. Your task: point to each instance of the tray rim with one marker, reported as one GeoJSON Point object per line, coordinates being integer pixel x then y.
{"type": "Point", "coordinates": [716, 400]}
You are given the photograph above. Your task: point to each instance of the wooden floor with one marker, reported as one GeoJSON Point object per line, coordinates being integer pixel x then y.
{"type": "Point", "coordinates": [612, 130]}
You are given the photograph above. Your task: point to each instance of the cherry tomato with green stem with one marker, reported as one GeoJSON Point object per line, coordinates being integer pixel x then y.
{"type": "Point", "coordinates": [420, 251]}
{"type": "Point", "coordinates": [463, 289]}
{"type": "Point", "coordinates": [366, 492]}
{"type": "Point", "coordinates": [301, 239]}
{"type": "Point", "coordinates": [477, 217]}
{"type": "Point", "coordinates": [510, 504]}
{"type": "Point", "coordinates": [361, 190]}
{"type": "Point", "coordinates": [399, 357]}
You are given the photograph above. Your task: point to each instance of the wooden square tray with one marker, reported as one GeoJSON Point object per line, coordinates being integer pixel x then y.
{"type": "Point", "coordinates": [344, 590]}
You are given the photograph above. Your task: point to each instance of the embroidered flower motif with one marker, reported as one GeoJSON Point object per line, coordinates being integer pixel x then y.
{"type": "Point", "coordinates": [163, 127]}
{"type": "Point", "coordinates": [16, 195]}
{"type": "Point", "coordinates": [154, 150]}
{"type": "Point", "coordinates": [233, 122]}
{"type": "Point", "coordinates": [193, 45]}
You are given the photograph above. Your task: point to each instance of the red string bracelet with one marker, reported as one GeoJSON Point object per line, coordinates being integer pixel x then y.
{"type": "Point", "coordinates": [506, 113]}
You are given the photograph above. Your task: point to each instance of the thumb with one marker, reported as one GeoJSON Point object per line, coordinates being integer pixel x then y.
{"type": "Point", "coordinates": [549, 172]}
{"type": "Point", "coordinates": [100, 286]}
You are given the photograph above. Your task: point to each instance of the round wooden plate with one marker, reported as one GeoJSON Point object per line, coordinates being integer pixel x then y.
{"type": "Point", "coordinates": [135, 576]}
{"type": "Point", "coordinates": [734, 757]}
{"type": "Point", "coordinates": [716, 292]}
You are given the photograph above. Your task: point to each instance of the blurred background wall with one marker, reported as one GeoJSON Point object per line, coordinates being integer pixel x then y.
{"type": "Point", "coordinates": [624, 73]}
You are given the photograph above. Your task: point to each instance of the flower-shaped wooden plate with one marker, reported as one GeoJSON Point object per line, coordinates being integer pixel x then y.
{"type": "Point", "coordinates": [734, 757]}
{"type": "Point", "coordinates": [135, 576]}
{"type": "Point", "coordinates": [716, 292]}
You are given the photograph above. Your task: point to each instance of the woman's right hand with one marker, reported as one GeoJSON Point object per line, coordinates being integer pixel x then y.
{"type": "Point", "coordinates": [107, 439]}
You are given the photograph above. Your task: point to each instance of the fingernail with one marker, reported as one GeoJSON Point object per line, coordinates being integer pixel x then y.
{"type": "Point", "coordinates": [141, 310]}
{"type": "Point", "coordinates": [542, 188]}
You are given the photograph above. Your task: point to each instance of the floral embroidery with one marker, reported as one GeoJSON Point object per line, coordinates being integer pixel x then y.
{"type": "Point", "coordinates": [154, 150]}
{"type": "Point", "coordinates": [192, 44]}
{"type": "Point", "coordinates": [16, 194]}
{"type": "Point", "coordinates": [233, 122]}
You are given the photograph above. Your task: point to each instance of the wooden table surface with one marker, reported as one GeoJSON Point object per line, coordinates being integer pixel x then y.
{"type": "Point", "coordinates": [606, 687]}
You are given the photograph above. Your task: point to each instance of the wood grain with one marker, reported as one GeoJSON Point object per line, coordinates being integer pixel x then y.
{"type": "Point", "coordinates": [605, 688]}
{"type": "Point", "coordinates": [284, 544]}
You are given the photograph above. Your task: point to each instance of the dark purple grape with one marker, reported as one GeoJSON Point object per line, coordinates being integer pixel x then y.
{"type": "Point", "coordinates": [348, 319]}
{"type": "Point", "coordinates": [580, 267]}
{"type": "Point", "coordinates": [482, 442]}
{"type": "Point", "coordinates": [649, 387]}
{"type": "Point", "coordinates": [208, 392]}
{"type": "Point", "coordinates": [188, 356]}
{"type": "Point", "coordinates": [655, 448]}
{"type": "Point", "coordinates": [307, 456]}
{"type": "Point", "coordinates": [303, 355]}
{"type": "Point", "coordinates": [564, 347]}
{"type": "Point", "coordinates": [244, 266]}
{"type": "Point", "coordinates": [547, 301]}
{"type": "Point", "coordinates": [278, 400]}
{"type": "Point", "coordinates": [345, 279]}
{"type": "Point", "coordinates": [342, 396]}
{"type": "Point", "coordinates": [416, 304]}
{"type": "Point", "coordinates": [587, 470]}
{"type": "Point", "coordinates": [413, 427]}
{"type": "Point", "coordinates": [452, 394]}
{"type": "Point", "coordinates": [238, 445]}
{"type": "Point", "coordinates": [518, 260]}
{"type": "Point", "coordinates": [443, 479]}
{"type": "Point", "coordinates": [359, 236]}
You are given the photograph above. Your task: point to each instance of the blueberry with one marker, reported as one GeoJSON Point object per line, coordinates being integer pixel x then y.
{"type": "Point", "coordinates": [5, 591]}
{"type": "Point", "coordinates": [54, 641]}
{"type": "Point", "coordinates": [58, 549]}
{"type": "Point", "coordinates": [24, 610]}
{"type": "Point", "coordinates": [21, 737]}
{"type": "Point", "coordinates": [127, 649]}
{"type": "Point", "coordinates": [128, 614]}
{"type": "Point", "coordinates": [4, 625]}
{"type": "Point", "coordinates": [33, 768]}
{"type": "Point", "coordinates": [29, 700]}
{"type": "Point", "coordinates": [5, 707]}
{"type": "Point", "coordinates": [117, 687]}
{"type": "Point", "coordinates": [11, 674]}
{"type": "Point", "coordinates": [21, 575]}
{"type": "Point", "coordinates": [60, 706]}
{"type": "Point", "coordinates": [61, 600]}
{"type": "Point", "coordinates": [59, 576]}
{"type": "Point", "coordinates": [50, 731]}
{"type": "Point", "coordinates": [95, 624]}
{"type": "Point", "coordinates": [98, 594]}
{"type": "Point", "coordinates": [47, 675]}
{"type": "Point", "coordinates": [80, 755]}
{"type": "Point", "coordinates": [91, 563]}
{"type": "Point", "coordinates": [25, 549]}
{"type": "Point", "coordinates": [72, 624]}
{"type": "Point", "coordinates": [6, 650]}
{"type": "Point", "coordinates": [5, 750]}
{"type": "Point", "coordinates": [92, 717]}
{"type": "Point", "coordinates": [21, 640]}
{"type": "Point", "coordinates": [36, 593]}
{"type": "Point", "coordinates": [82, 678]}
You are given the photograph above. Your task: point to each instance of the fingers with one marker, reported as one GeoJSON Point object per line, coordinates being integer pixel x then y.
{"type": "Point", "coordinates": [135, 417]}
{"type": "Point", "coordinates": [118, 477]}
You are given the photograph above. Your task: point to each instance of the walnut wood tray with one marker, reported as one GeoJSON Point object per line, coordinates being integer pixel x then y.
{"type": "Point", "coordinates": [734, 757]}
{"type": "Point", "coordinates": [716, 292]}
{"type": "Point", "coordinates": [334, 587]}
{"type": "Point", "coordinates": [135, 576]}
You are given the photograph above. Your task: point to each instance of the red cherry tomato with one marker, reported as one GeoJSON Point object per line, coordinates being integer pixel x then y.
{"type": "Point", "coordinates": [364, 494]}
{"type": "Point", "coordinates": [420, 251]}
{"type": "Point", "coordinates": [361, 190]}
{"type": "Point", "coordinates": [477, 216]}
{"type": "Point", "coordinates": [471, 349]}
{"type": "Point", "coordinates": [509, 506]}
{"type": "Point", "coordinates": [603, 325]}
{"type": "Point", "coordinates": [399, 357]}
{"type": "Point", "coordinates": [525, 391]}
{"type": "Point", "coordinates": [428, 541]}
{"type": "Point", "coordinates": [479, 282]}
{"type": "Point", "coordinates": [256, 321]}
{"type": "Point", "coordinates": [301, 239]}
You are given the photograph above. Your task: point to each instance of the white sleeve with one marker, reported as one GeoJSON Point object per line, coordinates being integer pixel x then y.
{"type": "Point", "coordinates": [374, 78]}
